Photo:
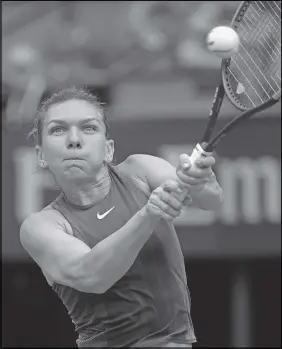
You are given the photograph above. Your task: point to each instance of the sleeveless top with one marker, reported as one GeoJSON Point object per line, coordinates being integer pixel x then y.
{"type": "Point", "coordinates": [151, 302]}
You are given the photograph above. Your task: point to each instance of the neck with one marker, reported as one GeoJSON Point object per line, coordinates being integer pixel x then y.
{"type": "Point", "coordinates": [89, 193]}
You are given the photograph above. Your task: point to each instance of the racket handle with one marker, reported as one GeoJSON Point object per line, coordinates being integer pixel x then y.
{"type": "Point", "coordinates": [197, 152]}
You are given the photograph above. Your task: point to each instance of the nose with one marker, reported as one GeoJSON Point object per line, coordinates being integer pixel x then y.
{"type": "Point", "coordinates": [74, 140]}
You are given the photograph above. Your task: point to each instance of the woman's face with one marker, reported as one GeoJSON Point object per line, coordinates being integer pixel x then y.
{"type": "Point", "coordinates": [74, 144]}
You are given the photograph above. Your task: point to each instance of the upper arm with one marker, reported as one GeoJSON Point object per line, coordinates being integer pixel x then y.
{"type": "Point", "coordinates": [154, 171]}
{"type": "Point", "coordinates": [151, 169]}
{"type": "Point", "coordinates": [55, 251]}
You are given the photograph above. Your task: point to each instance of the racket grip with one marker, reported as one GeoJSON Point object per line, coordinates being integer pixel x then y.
{"type": "Point", "coordinates": [197, 152]}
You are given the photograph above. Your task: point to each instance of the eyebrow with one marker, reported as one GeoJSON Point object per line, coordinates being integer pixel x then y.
{"type": "Point", "coordinates": [59, 121]}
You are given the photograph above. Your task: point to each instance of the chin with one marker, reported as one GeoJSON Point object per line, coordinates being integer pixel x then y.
{"type": "Point", "coordinates": [74, 172]}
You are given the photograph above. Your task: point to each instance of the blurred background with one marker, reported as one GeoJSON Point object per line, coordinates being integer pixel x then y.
{"type": "Point", "coordinates": [148, 62]}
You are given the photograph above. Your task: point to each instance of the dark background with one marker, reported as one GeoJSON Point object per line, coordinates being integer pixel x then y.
{"type": "Point", "coordinates": [36, 317]}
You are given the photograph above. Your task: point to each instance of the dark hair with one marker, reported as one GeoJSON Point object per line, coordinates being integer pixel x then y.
{"type": "Point", "coordinates": [63, 95]}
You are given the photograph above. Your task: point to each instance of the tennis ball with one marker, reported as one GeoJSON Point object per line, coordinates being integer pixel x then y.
{"type": "Point", "coordinates": [223, 41]}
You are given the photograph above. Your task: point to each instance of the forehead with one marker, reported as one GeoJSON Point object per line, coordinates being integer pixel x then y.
{"type": "Point", "coordinates": [72, 110]}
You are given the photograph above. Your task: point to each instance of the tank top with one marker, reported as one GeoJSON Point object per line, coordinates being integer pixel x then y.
{"type": "Point", "coordinates": [151, 302]}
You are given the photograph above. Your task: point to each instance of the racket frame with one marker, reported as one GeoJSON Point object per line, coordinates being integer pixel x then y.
{"type": "Point", "coordinates": [207, 143]}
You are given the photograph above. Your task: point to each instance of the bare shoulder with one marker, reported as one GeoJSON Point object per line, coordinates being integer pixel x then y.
{"type": "Point", "coordinates": [48, 216]}
{"type": "Point", "coordinates": [58, 218]}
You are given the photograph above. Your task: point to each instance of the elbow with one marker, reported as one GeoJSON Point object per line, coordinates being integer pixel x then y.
{"type": "Point", "coordinates": [88, 282]}
{"type": "Point", "coordinates": [88, 285]}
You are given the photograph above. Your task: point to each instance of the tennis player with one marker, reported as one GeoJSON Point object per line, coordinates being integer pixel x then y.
{"type": "Point", "coordinates": [107, 244]}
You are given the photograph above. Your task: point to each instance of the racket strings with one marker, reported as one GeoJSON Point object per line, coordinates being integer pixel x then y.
{"type": "Point", "coordinates": [255, 70]}
{"type": "Point", "coordinates": [265, 51]}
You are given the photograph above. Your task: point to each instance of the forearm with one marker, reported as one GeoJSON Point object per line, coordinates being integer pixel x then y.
{"type": "Point", "coordinates": [111, 258]}
{"type": "Point", "coordinates": [210, 197]}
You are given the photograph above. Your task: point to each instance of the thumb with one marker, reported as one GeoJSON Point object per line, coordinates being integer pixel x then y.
{"type": "Point", "coordinates": [188, 201]}
{"type": "Point", "coordinates": [171, 185]}
{"type": "Point", "coordinates": [184, 162]}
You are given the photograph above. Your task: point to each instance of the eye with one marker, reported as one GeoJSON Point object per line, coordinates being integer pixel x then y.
{"type": "Point", "coordinates": [90, 128]}
{"type": "Point", "coordinates": [57, 130]}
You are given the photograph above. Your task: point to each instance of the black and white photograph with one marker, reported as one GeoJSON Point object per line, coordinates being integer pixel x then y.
{"type": "Point", "coordinates": [141, 174]}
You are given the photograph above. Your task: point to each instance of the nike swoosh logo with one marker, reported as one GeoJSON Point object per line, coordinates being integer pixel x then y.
{"type": "Point", "coordinates": [101, 216]}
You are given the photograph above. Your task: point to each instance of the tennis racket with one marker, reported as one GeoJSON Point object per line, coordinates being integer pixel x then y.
{"type": "Point", "coordinates": [251, 79]}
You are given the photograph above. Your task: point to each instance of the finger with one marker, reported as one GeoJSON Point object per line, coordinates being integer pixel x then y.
{"type": "Point", "coordinates": [196, 172]}
{"type": "Point", "coordinates": [165, 208]}
{"type": "Point", "coordinates": [177, 195]}
{"type": "Point", "coordinates": [171, 186]}
{"type": "Point", "coordinates": [184, 162]}
{"type": "Point", "coordinates": [191, 180]}
{"type": "Point", "coordinates": [175, 190]}
{"type": "Point", "coordinates": [192, 188]}
{"type": "Point", "coordinates": [166, 201]}
{"type": "Point", "coordinates": [171, 200]}
{"type": "Point", "coordinates": [187, 201]}
{"type": "Point", "coordinates": [204, 162]}
{"type": "Point", "coordinates": [170, 218]}
{"type": "Point", "coordinates": [156, 210]}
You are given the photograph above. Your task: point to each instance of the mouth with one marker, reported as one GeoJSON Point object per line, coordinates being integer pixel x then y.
{"type": "Point", "coordinates": [73, 162]}
{"type": "Point", "coordinates": [73, 158]}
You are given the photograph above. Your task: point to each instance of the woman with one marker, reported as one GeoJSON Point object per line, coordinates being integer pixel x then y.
{"type": "Point", "coordinates": [107, 245]}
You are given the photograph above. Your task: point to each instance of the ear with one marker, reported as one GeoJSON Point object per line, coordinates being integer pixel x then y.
{"type": "Point", "coordinates": [40, 157]}
{"type": "Point", "coordinates": [110, 150]}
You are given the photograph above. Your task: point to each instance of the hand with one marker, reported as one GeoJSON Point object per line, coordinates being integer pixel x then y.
{"type": "Point", "coordinates": [194, 178]}
{"type": "Point", "coordinates": [163, 202]}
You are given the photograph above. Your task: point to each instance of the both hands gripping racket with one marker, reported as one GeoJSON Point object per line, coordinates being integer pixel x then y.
{"type": "Point", "coordinates": [251, 79]}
